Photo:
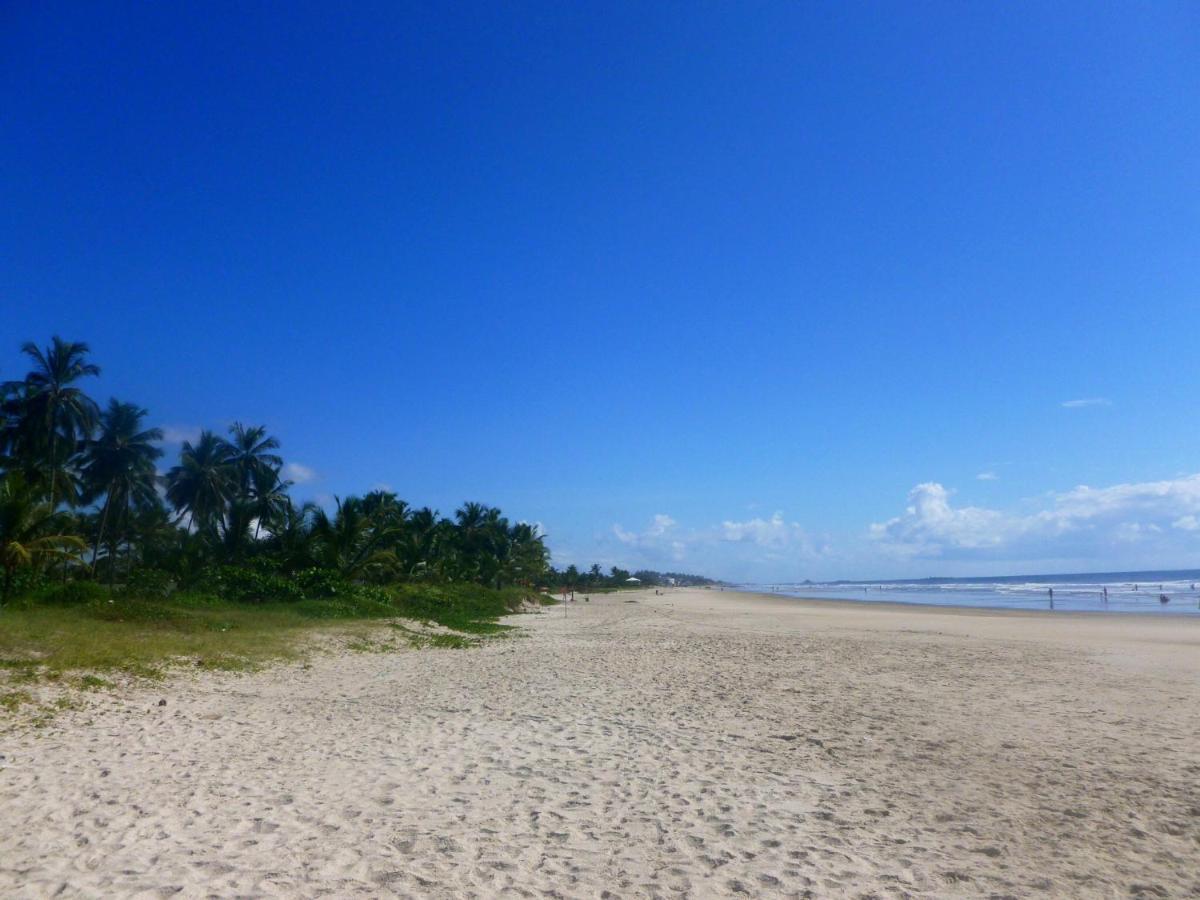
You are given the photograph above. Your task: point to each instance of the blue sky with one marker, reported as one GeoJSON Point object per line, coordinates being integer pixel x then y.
{"type": "Point", "coordinates": [766, 291]}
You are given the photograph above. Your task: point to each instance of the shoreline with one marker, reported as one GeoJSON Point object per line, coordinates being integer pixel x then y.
{"type": "Point", "coordinates": [949, 607]}
{"type": "Point", "coordinates": [699, 742]}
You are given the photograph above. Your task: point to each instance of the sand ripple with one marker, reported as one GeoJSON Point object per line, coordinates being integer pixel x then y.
{"type": "Point", "coordinates": [678, 746]}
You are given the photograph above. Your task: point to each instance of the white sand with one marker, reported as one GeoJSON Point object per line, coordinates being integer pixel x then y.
{"type": "Point", "coordinates": [700, 743]}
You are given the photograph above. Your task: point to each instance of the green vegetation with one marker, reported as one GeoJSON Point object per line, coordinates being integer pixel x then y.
{"type": "Point", "coordinates": [80, 495]}
{"type": "Point", "coordinates": [596, 581]}
{"type": "Point", "coordinates": [108, 566]}
{"type": "Point", "coordinates": [11, 700]}
{"type": "Point", "coordinates": [43, 637]}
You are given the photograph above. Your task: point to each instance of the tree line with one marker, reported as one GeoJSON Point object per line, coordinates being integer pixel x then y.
{"type": "Point", "coordinates": [82, 498]}
{"type": "Point", "coordinates": [590, 579]}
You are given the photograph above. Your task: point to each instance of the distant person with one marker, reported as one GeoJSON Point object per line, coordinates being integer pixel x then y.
{"type": "Point", "coordinates": [1163, 598]}
{"type": "Point", "coordinates": [1052, 598]}
{"type": "Point", "coordinates": [1106, 595]}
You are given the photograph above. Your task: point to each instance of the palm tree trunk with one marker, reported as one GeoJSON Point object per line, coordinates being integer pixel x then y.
{"type": "Point", "coordinates": [119, 528]}
{"type": "Point", "coordinates": [53, 467]}
{"type": "Point", "coordinates": [100, 532]}
{"type": "Point", "coordinates": [112, 563]}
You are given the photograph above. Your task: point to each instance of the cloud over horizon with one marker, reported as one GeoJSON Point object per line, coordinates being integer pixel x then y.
{"type": "Point", "coordinates": [732, 549]}
{"type": "Point", "coordinates": [1081, 523]}
{"type": "Point", "coordinates": [1126, 526]}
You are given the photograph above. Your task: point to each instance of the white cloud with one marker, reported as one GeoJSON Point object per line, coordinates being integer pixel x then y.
{"type": "Point", "coordinates": [1086, 402]}
{"type": "Point", "coordinates": [661, 525]}
{"type": "Point", "coordinates": [655, 540]}
{"type": "Point", "coordinates": [177, 434]}
{"type": "Point", "coordinates": [930, 524]}
{"type": "Point", "coordinates": [726, 549]}
{"type": "Point", "coordinates": [1082, 523]}
{"type": "Point", "coordinates": [774, 532]}
{"type": "Point", "coordinates": [987, 476]}
{"type": "Point", "coordinates": [298, 473]}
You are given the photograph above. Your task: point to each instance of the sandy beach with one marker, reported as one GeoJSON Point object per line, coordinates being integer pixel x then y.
{"type": "Point", "coordinates": [700, 743]}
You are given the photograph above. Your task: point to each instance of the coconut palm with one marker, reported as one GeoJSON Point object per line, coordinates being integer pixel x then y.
{"type": "Point", "coordinates": [352, 541]}
{"type": "Point", "coordinates": [293, 538]}
{"type": "Point", "coordinates": [527, 556]}
{"type": "Point", "coordinates": [419, 544]}
{"type": "Point", "coordinates": [236, 536]}
{"type": "Point", "coordinates": [203, 483]}
{"type": "Point", "coordinates": [251, 455]}
{"type": "Point", "coordinates": [30, 531]}
{"type": "Point", "coordinates": [268, 499]}
{"type": "Point", "coordinates": [471, 521]}
{"type": "Point", "coordinates": [54, 413]}
{"type": "Point", "coordinates": [118, 464]}
{"type": "Point", "coordinates": [153, 537]}
{"type": "Point", "coordinates": [385, 506]}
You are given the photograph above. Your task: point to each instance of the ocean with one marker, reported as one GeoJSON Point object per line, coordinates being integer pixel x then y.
{"type": "Point", "coordinates": [1127, 591]}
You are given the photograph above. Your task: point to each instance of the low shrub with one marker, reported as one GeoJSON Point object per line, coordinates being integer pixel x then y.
{"type": "Point", "coordinates": [345, 608]}
{"type": "Point", "coordinates": [147, 612]}
{"type": "Point", "coordinates": [458, 606]}
{"type": "Point", "coordinates": [73, 593]}
{"type": "Point", "coordinates": [241, 585]}
{"type": "Point", "coordinates": [319, 583]}
{"type": "Point", "coordinates": [149, 584]}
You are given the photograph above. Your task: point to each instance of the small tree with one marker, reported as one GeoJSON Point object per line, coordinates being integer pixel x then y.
{"type": "Point", "coordinates": [29, 531]}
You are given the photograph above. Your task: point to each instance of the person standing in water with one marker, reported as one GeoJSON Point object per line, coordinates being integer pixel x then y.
{"type": "Point", "coordinates": [1052, 598]}
{"type": "Point", "coordinates": [1106, 595]}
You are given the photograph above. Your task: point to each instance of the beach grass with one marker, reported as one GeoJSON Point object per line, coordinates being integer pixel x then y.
{"type": "Point", "coordinates": [145, 638]}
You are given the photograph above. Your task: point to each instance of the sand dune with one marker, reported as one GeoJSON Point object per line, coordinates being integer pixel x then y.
{"type": "Point", "coordinates": [699, 744]}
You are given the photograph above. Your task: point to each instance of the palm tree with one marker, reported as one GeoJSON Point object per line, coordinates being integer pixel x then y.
{"type": "Point", "coordinates": [119, 465]}
{"type": "Point", "coordinates": [386, 507]}
{"type": "Point", "coordinates": [30, 531]}
{"type": "Point", "coordinates": [472, 522]}
{"type": "Point", "coordinates": [353, 541]}
{"type": "Point", "coordinates": [250, 455]}
{"type": "Point", "coordinates": [419, 544]}
{"type": "Point", "coordinates": [155, 538]}
{"type": "Point", "coordinates": [293, 537]}
{"type": "Point", "coordinates": [236, 537]}
{"type": "Point", "coordinates": [528, 556]}
{"type": "Point", "coordinates": [55, 414]}
{"type": "Point", "coordinates": [203, 482]}
{"type": "Point", "coordinates": [269, 499]}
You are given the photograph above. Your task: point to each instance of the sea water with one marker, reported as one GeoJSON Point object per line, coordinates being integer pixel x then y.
{"type": "Point", "coordinates": [1127, 591]}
